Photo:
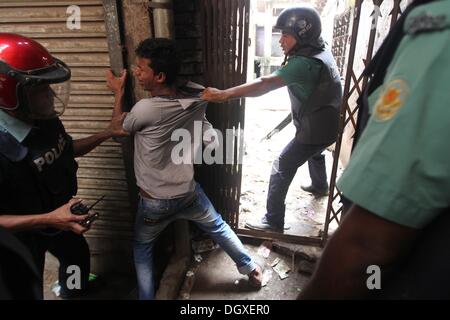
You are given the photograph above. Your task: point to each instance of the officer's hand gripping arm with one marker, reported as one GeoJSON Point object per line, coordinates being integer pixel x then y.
{"type": "Point", "coordinates": [252, 89]}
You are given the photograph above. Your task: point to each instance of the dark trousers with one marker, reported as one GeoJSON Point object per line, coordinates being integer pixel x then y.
{"type": "Point", "coordinates": [69, 248]}
{"type": "Point", "coordinates": [19, 277]}
{"type": "Point", "coordinates": [294, 155]}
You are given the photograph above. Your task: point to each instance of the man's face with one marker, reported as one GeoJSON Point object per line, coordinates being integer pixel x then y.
{"type": "Point", "coordinates": [40, 100]}
{"type": "Point", "coordinates": [145, 75]}
{"type": "Point", "coordinates": [287, 42]}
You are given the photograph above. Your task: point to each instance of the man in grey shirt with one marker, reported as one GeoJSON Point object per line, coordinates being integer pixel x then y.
{"type": "Point", "coordinates": [166, 179]}
{"type": "Point", "coordinates": [153, 122]}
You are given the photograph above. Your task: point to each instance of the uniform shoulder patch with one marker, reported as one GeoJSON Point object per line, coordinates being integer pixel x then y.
{"type": "Point", "coordinates": [426, 22]}
{"type": "Point", "coordinates": [391, 99]}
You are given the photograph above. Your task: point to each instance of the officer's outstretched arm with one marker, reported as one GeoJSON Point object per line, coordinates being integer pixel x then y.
{"type": "Point", "coordinates": [115, 129]}
{"type": "Point", "coordinates": [61, 218]}
{"type": "Point", "coordinates": [252, 89]}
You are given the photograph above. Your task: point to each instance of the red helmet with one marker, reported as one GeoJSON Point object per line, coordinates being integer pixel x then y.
{"type": "Point", "coordinates": [24, 62]}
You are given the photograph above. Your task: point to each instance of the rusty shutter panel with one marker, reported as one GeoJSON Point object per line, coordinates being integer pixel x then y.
{"type": "Point", "coordinates": [101, 172]}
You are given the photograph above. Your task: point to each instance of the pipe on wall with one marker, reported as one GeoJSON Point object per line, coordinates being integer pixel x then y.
{"type": "Point", "coordinates": [163, 20]}
{"type": "Point", "coordinates": [173, 277]}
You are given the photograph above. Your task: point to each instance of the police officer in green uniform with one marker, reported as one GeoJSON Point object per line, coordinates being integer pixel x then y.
{"type": "Point", "coordinates": [395, 235]}
{"type": "Point", "coordinates": [37, 165]}
{"type": "Point", "coordinates": [315, 91]}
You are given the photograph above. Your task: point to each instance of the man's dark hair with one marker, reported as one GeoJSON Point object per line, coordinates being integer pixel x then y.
{"type": "Point", "coordinates": [163, 56]}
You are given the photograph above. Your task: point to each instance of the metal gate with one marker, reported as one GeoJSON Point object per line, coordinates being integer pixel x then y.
{"type": "Point", "coordinates": [225, 31]}
{"type": "Point", "coordinates": [354, 82]}
{"type": "Point", "coordinates": [225, 43]}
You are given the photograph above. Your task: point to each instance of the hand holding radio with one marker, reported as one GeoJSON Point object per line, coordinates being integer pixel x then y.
{"type": "Point", "coordinates": [80, 209]}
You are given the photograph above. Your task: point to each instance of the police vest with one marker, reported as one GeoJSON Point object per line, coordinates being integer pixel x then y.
{"type": "Point", "coordinates": [39, 174]}
{"type": "Point", "coordinates": [317, 119]}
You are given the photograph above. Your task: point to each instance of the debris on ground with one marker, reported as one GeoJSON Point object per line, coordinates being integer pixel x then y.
{"type": "Point", "coordinates": [267, 275]}
{"type": "Point", "coordinates": [198, 258]}
{"type": "Point", "coordinates": [185, 292]}
{"type": "Point", "coordinates": [282, 269]}
{"type": "Point", "coordinates": [216, 279]}
{"type": "Point", "coordinates": [56, 289]}
{"type": "Point", "coordinates": [204, 245]}
{"type": "Point", "coordinates": [306, 252]}
{"type": "Point", "coordinates": [275, 262]}
{"type": "Point", "coordinates": [265, 248]}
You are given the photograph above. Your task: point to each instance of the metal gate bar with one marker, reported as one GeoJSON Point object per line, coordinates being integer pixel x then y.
{"type": "Point", "coordinates": [347, 114]}
{"type": "Point", "coordinates": [225, 36]}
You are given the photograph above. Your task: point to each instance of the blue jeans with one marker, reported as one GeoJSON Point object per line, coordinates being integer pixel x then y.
{"type": "Point", "coordinates": [294, 155]}
{"type": "Point", "coordinates": [154, 215]}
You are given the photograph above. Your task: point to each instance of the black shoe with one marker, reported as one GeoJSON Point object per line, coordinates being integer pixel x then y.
{"type": "Point", "coordinates": [315, 191]}
{"type": "Point", "coordinates": [264, 225]}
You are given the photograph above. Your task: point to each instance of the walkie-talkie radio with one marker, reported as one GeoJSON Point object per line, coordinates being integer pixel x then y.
{"type": "Point", "coordinates": [80, 209]}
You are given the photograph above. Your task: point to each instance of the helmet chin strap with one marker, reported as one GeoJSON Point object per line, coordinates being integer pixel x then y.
{"type": "Point", "coordinates": [296, 51]}
{"type": "Point", "coordinates": [290, 53]}
{"type": "Point", "coordinates": [38, 116]}
{"type": "Point", "coordinates": [307, 50]}
{"type": "Point", "coordinates": [25, 111]}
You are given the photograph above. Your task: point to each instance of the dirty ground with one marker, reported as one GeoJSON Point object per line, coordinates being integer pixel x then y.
{"type": "Point", "coordinates": [215, 277]}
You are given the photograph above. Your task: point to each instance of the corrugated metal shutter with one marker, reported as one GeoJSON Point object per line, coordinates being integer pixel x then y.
{"type": "Point", "coordinates": [102, 171]}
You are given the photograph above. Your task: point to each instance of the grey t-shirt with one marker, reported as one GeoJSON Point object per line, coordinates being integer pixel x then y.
{"type": "Point", "coordinates": [153, 121]}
